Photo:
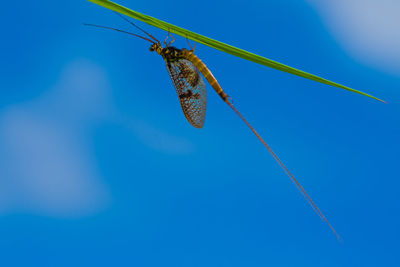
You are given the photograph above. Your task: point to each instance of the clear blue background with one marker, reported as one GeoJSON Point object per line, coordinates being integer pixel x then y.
{"type": "Point", "coordinates": [176, 195]}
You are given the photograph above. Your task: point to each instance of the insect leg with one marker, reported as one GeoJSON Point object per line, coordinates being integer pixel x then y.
{"type": "Point", "coordinates": [173, 39]}
{"type": "Point", "coordinates": [166, 38]}
{"type": "Point", "coordinates": [192, 47]}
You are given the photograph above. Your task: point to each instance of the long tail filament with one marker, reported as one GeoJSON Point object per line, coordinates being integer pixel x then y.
{"type": "Point", "coordinates": [294, 180]}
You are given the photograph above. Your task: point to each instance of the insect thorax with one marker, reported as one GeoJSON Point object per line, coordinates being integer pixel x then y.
{"type": "Point", "coordinates": [171, 53]}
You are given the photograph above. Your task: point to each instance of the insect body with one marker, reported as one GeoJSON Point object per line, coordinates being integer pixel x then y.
{"type": "Point", "coordinates": [185, 70]}
{"type": "Point", "coordinates": [188, 83]}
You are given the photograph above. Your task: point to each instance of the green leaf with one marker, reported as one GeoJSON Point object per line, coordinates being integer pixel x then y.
{"type": "Point", "coordinates": [220, 45]}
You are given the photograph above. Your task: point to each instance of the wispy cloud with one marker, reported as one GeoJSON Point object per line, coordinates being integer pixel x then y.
{"type": "Point", "coordinates": [46, 164]}
{"type": "Point", "coordinates": [47, 167]}
{"type": "Point", "coordinates": [367, 29]}
{"type": "Point", "coordinates": [159, 139]}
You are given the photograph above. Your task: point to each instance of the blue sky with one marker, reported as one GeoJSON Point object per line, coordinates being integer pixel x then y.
{"type": "Point", "coordinates": [99, 167]}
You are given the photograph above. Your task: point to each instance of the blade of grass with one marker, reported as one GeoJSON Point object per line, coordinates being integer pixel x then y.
{"type": "Point", "coordinates": [220, 45]}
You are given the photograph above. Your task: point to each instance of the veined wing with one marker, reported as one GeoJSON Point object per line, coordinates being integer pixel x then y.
{"type": "Point", "coordinates": [191, 90]}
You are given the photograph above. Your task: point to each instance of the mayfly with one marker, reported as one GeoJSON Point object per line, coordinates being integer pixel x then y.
{"type": "Point", "coordinates": [185, 70]}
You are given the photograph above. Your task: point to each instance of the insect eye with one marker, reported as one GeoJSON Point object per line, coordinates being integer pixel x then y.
{"type": "Point", "coordinates": [151, 48]}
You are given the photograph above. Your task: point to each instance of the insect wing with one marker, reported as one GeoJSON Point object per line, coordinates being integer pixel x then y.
{"type": "Point", "coordinates": [191, 90]}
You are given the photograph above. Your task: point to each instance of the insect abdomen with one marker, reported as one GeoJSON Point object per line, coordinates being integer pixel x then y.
{"type": "Point", "coordinates": [205, 71]}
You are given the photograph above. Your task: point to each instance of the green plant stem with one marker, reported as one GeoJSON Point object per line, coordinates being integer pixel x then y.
{"type": "Point", "coordinates": [220, 45]}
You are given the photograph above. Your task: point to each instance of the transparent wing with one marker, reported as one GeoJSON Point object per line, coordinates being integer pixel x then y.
{"type": "Point", "coordinates": [191, 90]}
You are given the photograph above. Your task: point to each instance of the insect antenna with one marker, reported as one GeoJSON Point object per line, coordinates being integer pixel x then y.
{"type": "Point", "coordinates": [294, 180]}
{"type": "Point", "coordinates": [118, 30]}
{"type": "Point", "coordinates": [137, 27]}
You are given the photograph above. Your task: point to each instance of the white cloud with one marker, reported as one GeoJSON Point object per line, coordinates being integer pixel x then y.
{"type": "Point", "coordinates": [367, 29]}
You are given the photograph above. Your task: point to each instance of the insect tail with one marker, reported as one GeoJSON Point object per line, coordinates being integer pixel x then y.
{"type": "Point", "coordinates": [294, 180]}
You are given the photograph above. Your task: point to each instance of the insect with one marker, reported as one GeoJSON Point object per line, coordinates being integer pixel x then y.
{"type": "Point", "coordinates": [186, 71]}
